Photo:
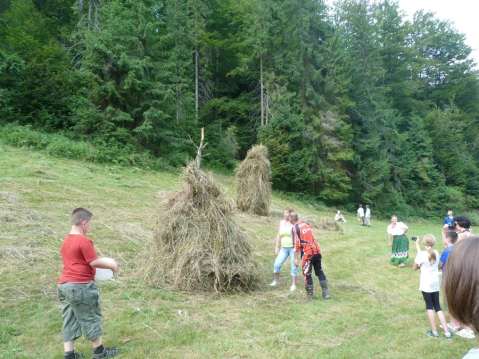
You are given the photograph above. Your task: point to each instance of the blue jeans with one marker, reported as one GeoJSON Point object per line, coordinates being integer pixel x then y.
{"type": "Point", "coordinates": [283, 254]}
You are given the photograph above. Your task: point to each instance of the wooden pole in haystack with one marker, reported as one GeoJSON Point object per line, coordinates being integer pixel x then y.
{"type": "Point", "coordinates": [200, 148]}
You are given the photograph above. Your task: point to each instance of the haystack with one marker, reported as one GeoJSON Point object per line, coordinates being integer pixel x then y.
{"type": "Point", "coordinates": [253, 180]}
{"type": "Point", "coordinates": [197, 244]}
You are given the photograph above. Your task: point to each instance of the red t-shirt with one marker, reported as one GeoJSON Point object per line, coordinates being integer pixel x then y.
{"type": "Point", "coordinates": [77, 252]}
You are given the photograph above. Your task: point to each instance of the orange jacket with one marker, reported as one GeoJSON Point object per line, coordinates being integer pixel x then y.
{"type": "Point", "coordinates": [304, 240]}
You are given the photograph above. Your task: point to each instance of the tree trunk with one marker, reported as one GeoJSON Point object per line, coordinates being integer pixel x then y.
{"type": "Point", "coordinates": [262, 89]}
{"type": "Point", "coordinates": [178, 94]}
{"type": "Point", "coordinates": [196, 84]}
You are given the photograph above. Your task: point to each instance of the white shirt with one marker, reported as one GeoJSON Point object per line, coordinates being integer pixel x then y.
{"type": "Point", "coordinates": [360, 212]}
{"type": "Point", "coordinates": [398, 229]}
{"type": "Point", "coordinates": [429, 280]}
{"type": "Point", "coordinates": [368, 212]}
{"type": "Point", "coordinates": [472, 354]}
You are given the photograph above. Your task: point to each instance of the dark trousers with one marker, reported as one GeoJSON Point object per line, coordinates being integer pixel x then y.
{"type": "Point", "coordinates": [308, 265]}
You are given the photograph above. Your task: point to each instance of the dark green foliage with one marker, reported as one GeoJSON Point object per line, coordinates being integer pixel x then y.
{"type": "Point", "coordinates": [354, 103]}
{"type": "Point", "coordinates": [35, 70]}
{"type": "Point", "coordinates": [453, 154]}
{"type": "Point", "coordinates": [60, 145]}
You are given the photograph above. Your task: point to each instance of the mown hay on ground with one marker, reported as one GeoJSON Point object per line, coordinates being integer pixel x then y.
{"type": "Point", "coordinates": [253, 181]}
{"type": "Point", "coordinates": [330, 225]}
{"type": "Point", "coordinates": [197, 244]}
{"type": "Point", "coordinates": [324, 224]}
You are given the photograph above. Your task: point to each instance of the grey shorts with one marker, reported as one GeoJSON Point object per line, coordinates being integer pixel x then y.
{"type": "Point", "coordinates": [80, 310]}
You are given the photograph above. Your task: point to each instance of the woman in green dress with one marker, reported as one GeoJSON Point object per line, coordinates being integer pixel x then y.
{"type": "Point", "coordinates": [398, 241]}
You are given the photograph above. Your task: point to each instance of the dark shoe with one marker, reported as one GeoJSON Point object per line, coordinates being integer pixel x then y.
{"type": "Point", "coordinates": [106, 353]}
{"type": "Point", "coordinates": [324, 288]}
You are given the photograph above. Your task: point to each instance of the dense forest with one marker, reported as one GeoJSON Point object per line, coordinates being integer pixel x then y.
{"type": "Point", "coordinates": [355, 101]}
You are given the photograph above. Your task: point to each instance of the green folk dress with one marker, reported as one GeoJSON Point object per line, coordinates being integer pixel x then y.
{"type": "Point", "coordinates": [400, 245]}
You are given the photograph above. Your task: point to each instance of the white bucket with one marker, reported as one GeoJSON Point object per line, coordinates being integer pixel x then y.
{"type": "Point", "coordinates": [103, 274]}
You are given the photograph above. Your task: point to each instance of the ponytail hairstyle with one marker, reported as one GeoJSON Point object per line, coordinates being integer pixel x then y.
{"type": "Point", "coordinates": [429, 241]}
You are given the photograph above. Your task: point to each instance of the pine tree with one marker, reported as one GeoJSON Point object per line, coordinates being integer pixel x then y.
{"type": "Point", "coordinates": [41, 93]}
{"type": "Point", "coordinates": [370, 116]}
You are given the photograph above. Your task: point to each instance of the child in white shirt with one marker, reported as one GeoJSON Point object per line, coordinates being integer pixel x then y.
{"type": "Point", "coordinates": [428, 261]}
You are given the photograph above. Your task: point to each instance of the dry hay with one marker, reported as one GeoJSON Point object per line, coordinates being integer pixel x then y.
{"type": "Point", "coordinates": [330, 225]}
{"type": "Point", "coordinates": [197, 244]}
{"type": "Point", "coordinates": [12, 211]}
{"type": "Point", "coordinates": [325, 224]}
{"type": "Point", "coordinates": [253, 180]}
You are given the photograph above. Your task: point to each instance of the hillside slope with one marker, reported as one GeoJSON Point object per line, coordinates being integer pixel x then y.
{"type": "Point", "coordinates": [376, 310]}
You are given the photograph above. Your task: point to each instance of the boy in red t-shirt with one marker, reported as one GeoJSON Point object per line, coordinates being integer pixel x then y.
{"type": "Point", "coordinates": [306, 247]}
{"type": "Point", "coordinates": [77, 291]}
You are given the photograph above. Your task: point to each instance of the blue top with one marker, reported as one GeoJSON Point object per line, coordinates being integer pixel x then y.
{"type": "Point", "coordinates": [449, 220]}
{"type": "Point", "coordinates": [445, 254]}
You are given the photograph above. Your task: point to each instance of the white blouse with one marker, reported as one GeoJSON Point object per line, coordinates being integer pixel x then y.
{"type": "Point", "coordinates": [398, 229]}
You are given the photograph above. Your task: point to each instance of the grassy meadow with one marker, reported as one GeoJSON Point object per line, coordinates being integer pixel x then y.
{"type": "Point", "coordinates": [376, 310]}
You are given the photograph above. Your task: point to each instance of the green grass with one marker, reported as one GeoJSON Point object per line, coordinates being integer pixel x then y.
{"type": "Point", "coordinates": [376, 310]}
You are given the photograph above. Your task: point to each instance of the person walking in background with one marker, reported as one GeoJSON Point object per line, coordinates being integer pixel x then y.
{"type": "Point", "coordinates": [461, 285]}
{"type": "Point", "coordinates": [427, 261]}
{"type": "Point", "coordinates": [447, 223]}
{"type": "Point", "coordinates": [398, 241]}
{"type": "Point", "coordinates": [361, 214]}
{"type": "Point", "coordinates": [339, 217]}
{"type": "Point", "coordinates": [367, 216]}
{"type": "Point", "coordinates": [284, 248]}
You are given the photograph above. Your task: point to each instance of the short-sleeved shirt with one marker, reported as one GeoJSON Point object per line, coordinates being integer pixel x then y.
{"type": "Point", "coordinates": [77, 252]}
{"type": "Point", "coordinates": [304, 240]}
{"type": "Point", "coordinates": [445, 255]}
{"type": "Point", "coordinates": [429, 280]}
{"type": "Point", "coordinates": [448, 221]}
{"type": "Point", "coordinates": [398, 229]}
{"type": "Point", "coordinates": [360, 212]}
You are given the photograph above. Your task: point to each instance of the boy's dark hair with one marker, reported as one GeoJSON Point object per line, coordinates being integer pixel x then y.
{"type": "Point", "coordinates": [452, 236]}
{"type": "Point", "coordinates": [461, 282]}
{"type": "Point", "coordinates": [462, 221]}
{"type": "Point", "coordinates": [79, 215]}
